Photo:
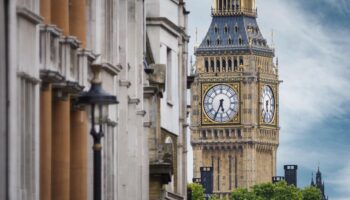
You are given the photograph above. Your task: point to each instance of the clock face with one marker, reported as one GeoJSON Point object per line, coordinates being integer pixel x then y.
{"type": "Point", "coordinates": [221, 103]}
{"type": "Point", "coordinates": [267, 104]}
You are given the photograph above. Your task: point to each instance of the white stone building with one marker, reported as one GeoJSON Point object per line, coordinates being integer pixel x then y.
{"type": "Point", "coordinates": [167, 42]}
{"type": "Point", "coordinates": [47, 48]}
{"type": "Point", "coordinates": [45, 146]}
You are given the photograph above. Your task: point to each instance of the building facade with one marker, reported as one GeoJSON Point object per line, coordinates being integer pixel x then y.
{"type": "Point", "coordinates": [167, 45]}
{"type": "Point", "coordinates": [47, 49]}
{"type": "Point", "coordinates": [235, 111]}
{"type": "Point", "coordinates": [3, 98]}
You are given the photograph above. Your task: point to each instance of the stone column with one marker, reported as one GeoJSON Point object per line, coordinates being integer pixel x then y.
{"type": "Point", "coordinates": [78, 155]}
{"type": "Point", "coordinates": [61, 149]}
{"type": "Point", "coordinates": [45, 10]}
{"type": "Point", "coordinates": [60, 14]}
{"type": "Point", "coordinates": [45, 141]}
{"type": "Point", "coordinates": [77, 20]}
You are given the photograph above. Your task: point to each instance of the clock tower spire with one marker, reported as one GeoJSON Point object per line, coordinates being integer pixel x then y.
{"type": "Point", "coordinates": [235, 100]}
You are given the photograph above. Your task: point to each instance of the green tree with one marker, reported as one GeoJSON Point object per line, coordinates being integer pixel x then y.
{"type": "Point", "coordinates": [214, 197]}
{"type": "Point", "coordinates": [197, 191]}
{"type": "Point", "coordinates": [311, 193]}
{"type": "Point", "coordinates": [265, 191]}
{"type": "Point", "coordinates": [243, 194]}
{"type": "Point", "coordinates": [278, 191]}
{"type": "Point", "coordinates": [287, 192]}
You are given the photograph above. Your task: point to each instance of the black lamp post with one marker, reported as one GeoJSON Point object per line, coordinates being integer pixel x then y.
{"type": "Point", "coordinates": [97, 98]}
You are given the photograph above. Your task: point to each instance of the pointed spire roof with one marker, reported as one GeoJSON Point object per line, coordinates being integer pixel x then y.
{"type": "Point", "coordinates": [312, 179]}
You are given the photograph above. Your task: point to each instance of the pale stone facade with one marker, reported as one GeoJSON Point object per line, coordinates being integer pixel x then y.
{"type": "Point", "coordinates": [3, 98]}
{"type": "Point", "coordinates": [52, 45]}
{"type": "Point", "coordinates": [242, 150]}
{"type": "Point", "coordinates": [168, 44]}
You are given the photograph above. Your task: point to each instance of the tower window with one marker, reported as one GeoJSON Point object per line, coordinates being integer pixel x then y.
{"type": "Point", "coordinates": [206, 65]}
{"type": "Point", "coordinates": [235, 64]}
{"type": "Point", "coordinates": [223, 65]}
{"type": "Point", "coordinates": [218, 65]}
{"type": "Point", "coordinates": [229, 65]}
{"type": "Point", "coordinates": [236, 28]}
{"type": "Point", "coordinates": [212, 65]}
{"type": "Point", "coordinates": [226, 29]}
{"type": "Point", "coordinates": [229, 41]}
{"type": "Point", "coordinates": [208, 42]}
{"type": "Point", "coordinates": [216, 29]}
{"type": "Point", "coordinates": [240, 41]}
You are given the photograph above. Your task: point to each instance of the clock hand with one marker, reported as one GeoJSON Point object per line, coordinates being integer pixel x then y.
{"type": "Point", "coordinates": [220, 106]}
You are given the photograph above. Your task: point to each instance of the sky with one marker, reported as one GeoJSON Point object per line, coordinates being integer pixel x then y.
{"type": "Point", "coordinates": [312, 43]}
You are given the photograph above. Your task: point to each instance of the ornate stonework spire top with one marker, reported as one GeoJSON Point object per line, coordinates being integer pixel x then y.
{"type": "Point", "coordinates": [234, 7]}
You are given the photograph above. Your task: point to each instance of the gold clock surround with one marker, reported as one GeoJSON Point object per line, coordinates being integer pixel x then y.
{"type": "Point", "coordinates": [205, 120]}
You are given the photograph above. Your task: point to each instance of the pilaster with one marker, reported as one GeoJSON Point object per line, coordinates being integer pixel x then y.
{"type": "Point", "coordinates": [61, 148]}
{"type": "Point", "coordinates": [60, 14]}
{"type": "Point", "coordinates": [77, 20]}
{"type": "Point", "coordinates": [78, 154]}
{"type": "Point", "coordinates": [46, 141]}
{"type": "Point", "coordinates": [45, 10]}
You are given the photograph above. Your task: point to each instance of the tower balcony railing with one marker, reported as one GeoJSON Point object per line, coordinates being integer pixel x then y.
{"type": "Point", "coordinates": [233, 12]}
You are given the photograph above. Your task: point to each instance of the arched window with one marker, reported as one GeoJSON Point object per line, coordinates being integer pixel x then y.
{"type": "Point", "coordinates": [229, 64]}
{"type": "Point", "coordinates": [206, 65]}
{"type": "Point", "coordinates": [229, 41]}
{"type": "Point", "coordinates": [240, 41]}
{"type": "Point", "coordinates": [218, 41]}
{"type": "Point", "coordinates": [218, 64]}
{"type": "Point", "coordinates": [236, 29]}
{"type": "Point", "coordinates": [223, 65]}
{"type": "Point", "coordinates": [212, 65]}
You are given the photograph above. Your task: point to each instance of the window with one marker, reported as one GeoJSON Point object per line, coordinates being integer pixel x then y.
{"type": "Point", "coordinates": [229, 65]}
{"type": "Point", "coordinates": [240, 41]}
{"type": "Point", "coordinates": [218, 64]}
{"type": "Point", "coordinates": [236, 29]}
{"type": "Point", "coordinates": [216, 29]}
{"type": "Point", "coordinates": [229, 41]}
{"type": "Point", "coordinates": [168, 75]}
{"type": "Point", "coordinates": [223, 65]}
{"type": "Point", "coordinates": [218, 41]}
{"type": "Point", "coordinates": [212, 65]}
{"type": "Point", "coordinates": [226, 29]}
{"type": "Point", "coordinates": [235, 64]}
{"type": "Point", "coordinates": [208, 42]}
{"type": "Point", "coordinates": [240, 60]}
{"type": "Point", "coordinates": [206, 65]}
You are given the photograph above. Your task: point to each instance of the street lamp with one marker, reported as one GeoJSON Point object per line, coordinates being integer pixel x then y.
{"type": "Point", "coordinates": [98, 100]}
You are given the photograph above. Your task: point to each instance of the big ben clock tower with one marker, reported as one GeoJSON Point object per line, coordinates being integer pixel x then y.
{"type": "Point", "coordinates": [234, 117]}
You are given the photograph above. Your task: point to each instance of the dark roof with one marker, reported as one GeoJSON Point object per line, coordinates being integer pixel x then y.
{"type": "Point", "coordinates": [235, 34]}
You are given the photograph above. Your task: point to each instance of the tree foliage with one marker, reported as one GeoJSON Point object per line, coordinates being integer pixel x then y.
{"type": "Point", "coordinates": [197, 191]}
{"type": "Point", "coordinates": [278, 191]}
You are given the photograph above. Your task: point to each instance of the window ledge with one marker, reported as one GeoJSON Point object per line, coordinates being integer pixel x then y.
{"type": "Point", "coordinates": [29, 15]}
